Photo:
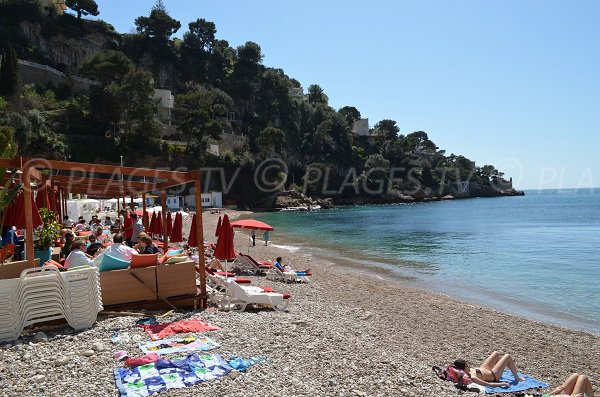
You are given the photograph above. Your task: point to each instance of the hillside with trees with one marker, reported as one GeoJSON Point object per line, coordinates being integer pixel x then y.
{"type": "Point", "coordinates": [219, 90]}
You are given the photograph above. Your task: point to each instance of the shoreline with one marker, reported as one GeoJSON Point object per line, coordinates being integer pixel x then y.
{"type": "Point", "coordinates": [404, 276]}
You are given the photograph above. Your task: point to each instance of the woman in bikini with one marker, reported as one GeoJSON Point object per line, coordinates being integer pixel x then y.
{"type": "Point", "coordinates": [576, 385]}
{"type": "Point", "coordinates": [489, 373]}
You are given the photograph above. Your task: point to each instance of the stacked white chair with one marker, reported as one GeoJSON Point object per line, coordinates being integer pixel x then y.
{"type": "Point", "coordinates": [44, 294]}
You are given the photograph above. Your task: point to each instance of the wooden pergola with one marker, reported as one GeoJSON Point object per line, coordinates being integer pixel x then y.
{"type": "Point", "coordinates": [103, 181]}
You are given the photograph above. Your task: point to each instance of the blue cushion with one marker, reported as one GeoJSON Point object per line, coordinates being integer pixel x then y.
{"type": "Point", "coordinates": [112, 263]}
{"type": "Point", "coordinates": [174, 252]}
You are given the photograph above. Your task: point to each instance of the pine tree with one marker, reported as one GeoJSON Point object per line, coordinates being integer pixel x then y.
{"type": "Point", "coordinates": [9, 72]}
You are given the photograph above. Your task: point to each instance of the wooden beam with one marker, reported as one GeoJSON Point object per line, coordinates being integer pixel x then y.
{"type": "Point", "coordinates": [200, 236]}
{"type": "Point", "coordinates": [144, 214]}
{"type": "Point", "coordinates": [163, 203]}
{"type": "Point", "coordinates": [28, 216]}
{"type": "Point", "coordinates": [84, 181]}
{"type": "Point", "coordinates": [102, 169]}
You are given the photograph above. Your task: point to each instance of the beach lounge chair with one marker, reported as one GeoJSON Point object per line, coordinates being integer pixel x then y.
{"type": "Point", "coordinates": [236, 297]}
{"type": "Point", "coordinates": [248, 264]}
{"type": "Point", "coordinates": [289, 277]}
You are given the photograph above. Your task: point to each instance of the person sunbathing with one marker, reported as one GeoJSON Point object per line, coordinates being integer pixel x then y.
{"type": "Point", "coordinates": [576, 385]}
{"type": "Point", "coordinates": [284, 268]}
{"type": "Point", "coordinates": [490, 371]}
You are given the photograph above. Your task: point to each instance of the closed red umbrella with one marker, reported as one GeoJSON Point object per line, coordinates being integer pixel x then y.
{"type": "Point", "coordinates": [52, 200]}
{"type": "Point", "coordinates": [177, 232]}
{"type": "Point", "coordinates": [218, 227]}
{"type": "Point", "coordinates": [145, 220]}
{"type": "Point", "coordinates": [224, 249]}
{"type": "Point", "coordinates": [192, 240]}
{"type": "Point", "coordinates": [15, 212]}
{"type": "Point", "coordinates": [158, 225]}
{"type": "Point", "coordinates": [42, 197]}
{"type": "Point", "coordinates": [251, 224]}
{"type": "Point", "coordinates": [169, 224]}
{"type": "Point", "coordinates": [152, 223]}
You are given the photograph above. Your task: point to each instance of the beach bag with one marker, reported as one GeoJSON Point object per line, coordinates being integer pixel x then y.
{"type": "Point", "coordinates": [454, 375]}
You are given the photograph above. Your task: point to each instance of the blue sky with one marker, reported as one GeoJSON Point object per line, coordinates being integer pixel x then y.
{"type": "Point", "coordinates": [511, 83]}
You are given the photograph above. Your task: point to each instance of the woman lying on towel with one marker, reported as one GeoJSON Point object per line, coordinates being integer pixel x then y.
{"type": "Point", "coordinates": [489, 373]}
{"type": "Point", "coordinates": [575, 386]}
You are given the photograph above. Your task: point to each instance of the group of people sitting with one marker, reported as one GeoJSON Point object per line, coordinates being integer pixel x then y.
{"type": "Point", "coordinates": [128, 240]}
{"type": "Point", "coordinates": [84, 254]}
{"type": "Point", "coordinates": [489, 373]}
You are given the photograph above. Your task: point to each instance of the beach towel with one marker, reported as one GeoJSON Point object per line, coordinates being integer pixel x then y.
{"type": "Point", "coordinates": [182, 345]}
{"type": "Point", "coordinates": [160, 331]}
{"type": "Point", "coordinates": [507, 376]}
{"type": "Point", "coordinates": [165, 374]}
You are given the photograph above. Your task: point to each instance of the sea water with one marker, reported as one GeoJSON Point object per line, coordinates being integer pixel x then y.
{"type": "Point", "coordinates": [536, 255]}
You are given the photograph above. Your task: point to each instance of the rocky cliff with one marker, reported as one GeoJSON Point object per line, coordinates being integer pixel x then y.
{"type": "Point", "coordinates": [68, 48]}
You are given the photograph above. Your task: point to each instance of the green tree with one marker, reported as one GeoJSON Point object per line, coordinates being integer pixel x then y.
{"type": "Point", "coordinates": [9, 72]}
{"type": "Point", "coordinates": [387, 129]}
{"type": "Point", "coordinates": [351, 114]}
{"type": "Point", "coordinates": [316, 94]}
{"type": "Point", "coordinates": [204, 118]}
{"type": "Point", "coordinates": [271, 141]}
{"type": "Point", "coordinates": [8, 145]}
{"type": "Point", "coordinates": [107, 67]}
{"type": "Point", "coordinates": [137, 105]}
{"type": "Point", "coordinates": [83, 7]}
{"type": "Point", "coordinates": [159, 25]}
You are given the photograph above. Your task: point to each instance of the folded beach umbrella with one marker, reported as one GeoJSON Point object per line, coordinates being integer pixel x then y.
{"type": "Point", "coordinates": [41, 198]}
{"type": "Point", "coordinates": [218, 227]}
{"type": "Point", "coordinates": [177, 232]}
{"type": "Point", "coordinates": [169, 224]}
{"type": "Point", "coordinates": [224, 249]}
{"type": "Point", "coordinates": [192, 240]}
{"type": "Point", "coordinates": [14, 215]}
{"type": "Point", "coordinates": [152, 223]}
{"type": "Point", "coordinates": [145, 220]}
{"type": "Point", "coordinates": [51, 200]}
{"type": "Point", "coordinates": [158, 225]}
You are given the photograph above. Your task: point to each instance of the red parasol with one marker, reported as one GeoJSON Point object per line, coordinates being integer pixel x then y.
{"type": "Point", "coordinates": [192, 240]}
{"type": "Point", "coordinates": [158, 224]}
{"type": "Point", "coordinates": [14, 215]}
{"type": "Point", "coordinates": [218, 227]}
{"type": "Point", "coordinates": [40, 199]}
{"type": "Point", "coordinates": [145, 220]}
{"type": "Point", "coordinates": [224, 249]}
{"type": "Point", "coordinates": [177, 233]}
{"type": "Point", "coordinates": [152, 223]}
{"type": "Point", "coordinates": [251, 224]}
{"type": "Point", "coordinates": [169, 224]}
{"type": "Point", "coordinates": [52, 200]}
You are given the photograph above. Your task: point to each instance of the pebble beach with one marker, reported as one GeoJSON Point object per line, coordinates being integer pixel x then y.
{"type": "Point", "coordinates": [347, 333]}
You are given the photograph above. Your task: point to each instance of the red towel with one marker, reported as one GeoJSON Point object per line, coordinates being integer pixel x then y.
{"type": "Point", "coordinates": [160, 331]}
{"type": "Point", "coordinates": [145, 359]}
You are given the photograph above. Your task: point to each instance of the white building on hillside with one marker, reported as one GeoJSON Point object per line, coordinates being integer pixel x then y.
{"type": "Point", "coordinates": [361, 127]}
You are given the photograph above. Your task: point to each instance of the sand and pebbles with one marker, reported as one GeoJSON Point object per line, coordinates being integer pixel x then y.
{"type": "Point", "coordinates": [348, 333]}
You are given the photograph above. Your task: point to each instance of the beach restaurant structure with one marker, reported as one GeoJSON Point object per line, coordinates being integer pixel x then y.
{"type": "Point", "coordinates": [103, 181]}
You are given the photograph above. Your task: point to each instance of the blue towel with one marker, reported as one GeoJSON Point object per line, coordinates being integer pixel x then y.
{"type": "Point", "coordinates": [507, 376]}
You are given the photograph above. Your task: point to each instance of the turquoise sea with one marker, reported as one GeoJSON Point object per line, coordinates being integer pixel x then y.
{"type": "Point", "coordinates": [537, 256]}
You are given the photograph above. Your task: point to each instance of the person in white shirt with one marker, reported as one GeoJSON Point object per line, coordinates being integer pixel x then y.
{"type": "Point", "coordinates": [81, 226]}
{"type": "Point", "coordinates": [118, 250]}
{"type": "Point", "coordinates": [77, 257]}
{"type": "Point", "coordinates": [67, 222]}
